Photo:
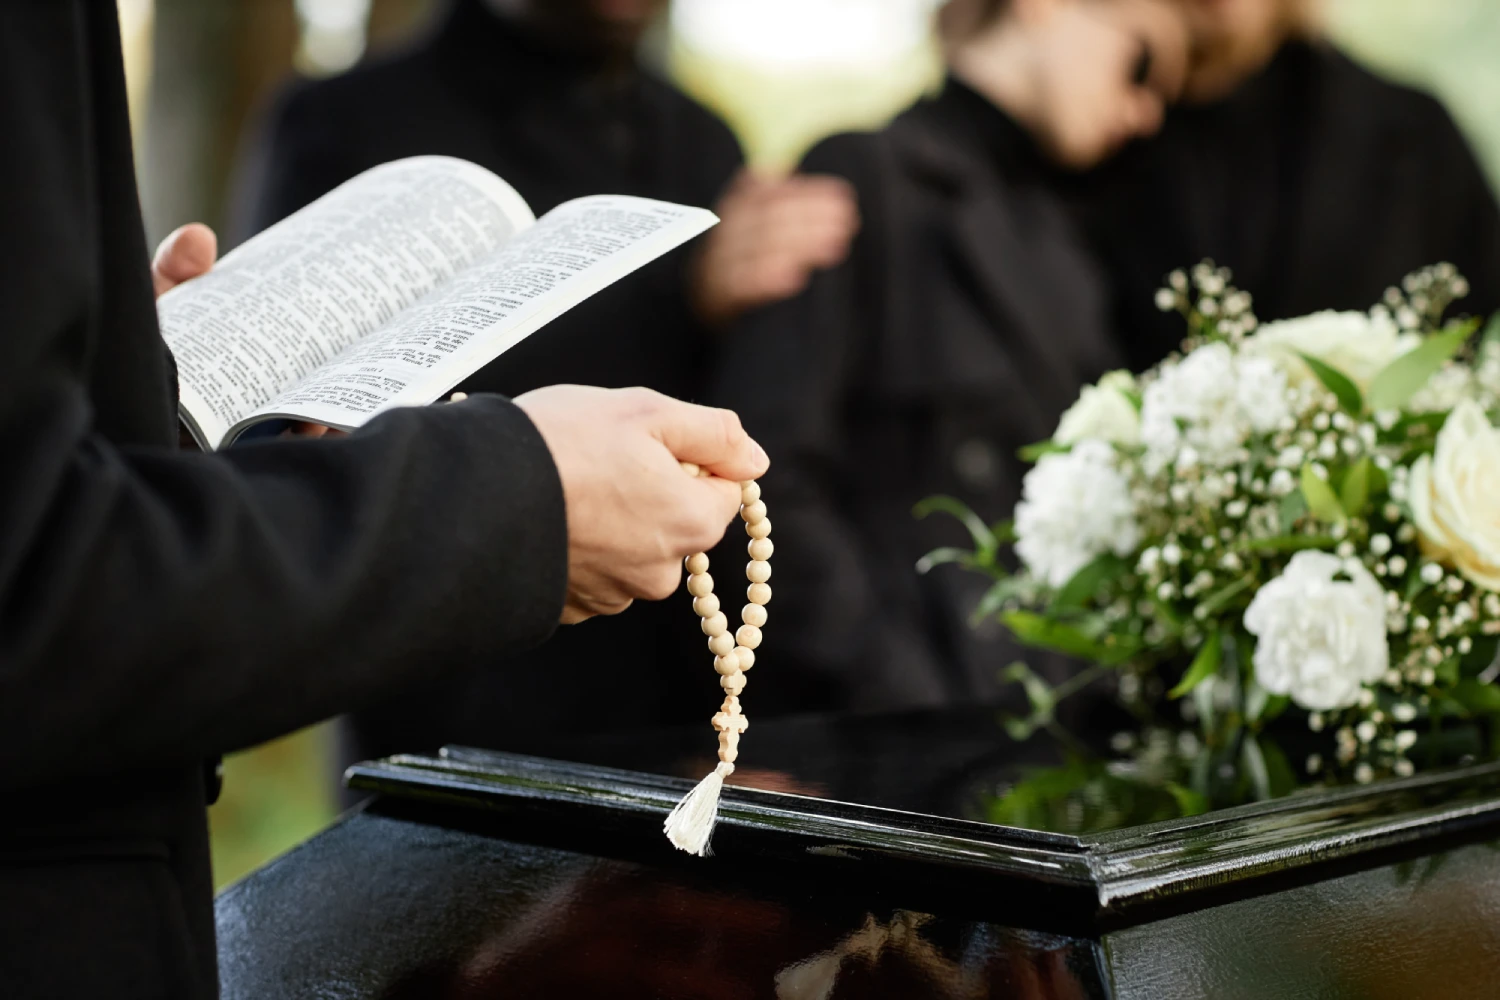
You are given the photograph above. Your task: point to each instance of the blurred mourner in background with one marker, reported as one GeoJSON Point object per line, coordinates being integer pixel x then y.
{"type": "Point", "coordinates": [963, 323]}
{"type": "Point", "coordinates": [1316, 181]}
{"type": "Point", "coordinates": [550, 96]}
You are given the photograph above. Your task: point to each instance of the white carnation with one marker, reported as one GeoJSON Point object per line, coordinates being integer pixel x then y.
{"type": "Point", "coordinates": [1319, 639]}
{"type": "Point", "coordinates": [1211, 402]}
{"type": "Point", "coordinates": [1103, 412]}
{"type": "Point", "coordinates": [1075, 506]}
{"type": "Point", "coordinates": [1358, 344]}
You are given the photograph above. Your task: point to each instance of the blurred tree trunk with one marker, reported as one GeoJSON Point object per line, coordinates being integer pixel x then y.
{"type": "Point", "coordinates": [213, 62]}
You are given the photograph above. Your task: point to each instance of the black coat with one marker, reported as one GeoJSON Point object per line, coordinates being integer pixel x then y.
{"type": "Point", "coordinates": [964, 322]}
{"type": "Point", "coordinates": [159, 608]}
{"type": "Point", "coordinates": [480, 89]}
{"type": "Point", "coordinates": [1320, 184]}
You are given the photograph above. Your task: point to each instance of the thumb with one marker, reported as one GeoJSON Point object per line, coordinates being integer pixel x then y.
{"type": "Point", "coordinates": [186, 253]}
{"type": "Point", "coordinates": [711, 438]}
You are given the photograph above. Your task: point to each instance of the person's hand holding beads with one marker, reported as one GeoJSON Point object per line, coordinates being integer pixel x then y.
{"type": "Point", "coordinates": [633, 513]}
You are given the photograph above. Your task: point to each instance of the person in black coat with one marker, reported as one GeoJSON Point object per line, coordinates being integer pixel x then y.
{"type": "Point", "coordinates": [159, 608]}
{"type": "Point", "coordinates": [548, 95]}
{"type": "Point", "coordinates": [1318, 183]}
{"type": "Point", "coordinates": [965, 320]}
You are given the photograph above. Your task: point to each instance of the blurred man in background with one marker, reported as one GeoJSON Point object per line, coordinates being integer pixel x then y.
{"type": "Point", "coordinates": [1319, 183]}
{"type": "Point", "coordinates": [549, 95]}
{"type": "Point", "coordinates": [965, 320]}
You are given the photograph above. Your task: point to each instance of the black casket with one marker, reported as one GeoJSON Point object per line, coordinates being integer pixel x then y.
{"type": "Point", "coordinates": [865, 864]}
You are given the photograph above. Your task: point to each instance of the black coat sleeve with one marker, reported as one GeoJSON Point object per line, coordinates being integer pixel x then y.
{"type": "Point", "coordinates": [793, 372]}
{"type": "Point", "coordinates": [158, 607]}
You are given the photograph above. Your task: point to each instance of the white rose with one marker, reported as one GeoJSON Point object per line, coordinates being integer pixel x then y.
{"type": "Point", "coordinates": [1319, 639]}
{"type": "Point", "coordinates": [1075, 506]}
{"type": "Point", "coordinates": [1355, 343]}
{"type": "Point", "coordinates": [1103, 412]}
{"type": "Point", "coordinates": [1455, 496]}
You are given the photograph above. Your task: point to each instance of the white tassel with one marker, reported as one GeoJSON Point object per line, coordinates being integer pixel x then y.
{"type": "Point", "coordinates": [690, 824]}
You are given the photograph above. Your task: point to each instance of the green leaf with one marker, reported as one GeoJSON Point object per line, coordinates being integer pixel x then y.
{"type": "Point", "coordinates": [1004, 531]}
{"type": "Point", "coordinates": [1338, 383]}
{"type": "Point", "coordinates": [1041, 632]}
{"type": "Point", "coordinates": [1036, 452]}
{"type": "Point", "coordinates": [1189, 802]}
{"type": "Point", "coordinates": [1038, 691]}
{"type": "Point", "coordinates": [1355, 492]}
{"type": "Point", "coordinates": [994, 599]}
{"type": "Point", "coordinates": [1321, 501]}
{"type": "Point", "coordinates": [1219, 599]}
{"type": "Point", "coordinates": [1476, 696]}
{"type": "Point", "coordinates": [1078, 591]}
{"type": "Point", "coordinates": [1204, 666]}
{"type": "Point", "coordinates": [1293, 506]}
{"type": "Point", "coordinates": [985, 542]}
{"type": "Point", "coordinates": [1492, 331]}
{"type": "Point", "coordinates": [1253, 762]}
{"type": "Point", "coordinates": [944, 556]}
{"type": "Point", "coordinates": [1137, 400]}
{"type": "Point", "coordinates": [1287, 543]}
{"type": "Point", "coordinates": [1403, 378]}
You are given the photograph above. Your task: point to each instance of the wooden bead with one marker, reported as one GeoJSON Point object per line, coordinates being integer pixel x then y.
{"type": "Point", "coordinates": [748, 636]}
{"type": "Point", "coordinates": [732, 683]}
{"type": "Point", "coordinates": [691, 469]}
{"type": "Point", "coordinates": [721, 644]}
{"type": "Point", "coordinates": [754, 513]}
{"type": "Point", "coordinates": [746, 655]}
{"type": "Point", "coordinates": [758, 593]}
{"type": "Point", "coordinates": [458, 397]}
{"type": "Point", "coordinates": [698, 563]}
{"type": "Point", "coordinates": [759, 548]}
{"type": "Point", "coordinates": [760, 529]}
{"type": "Point", "coordinates": [715, 624]}
{"type": "Point", "coordinates": [706, 606]}
{"type": "Point", "coordinates": [753, 614]}
{"type": "Point", "coordinates": [749, 492]}
{"type": "Point", "coordinates": [757, 571]}
{"type": "Point", "coordinates": [700, 585]}
{"type": "Point", "coordinates": [727, 664]}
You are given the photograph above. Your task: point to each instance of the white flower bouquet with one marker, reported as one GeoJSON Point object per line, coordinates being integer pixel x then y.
{"type": "Point", "coordinates": [1305, 512]}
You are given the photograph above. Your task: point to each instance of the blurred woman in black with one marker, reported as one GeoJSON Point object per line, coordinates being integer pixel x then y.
{"type": "Point", "coordinates": [1319, 183]}
{"type": "Point", "coordinates": [964, 321]}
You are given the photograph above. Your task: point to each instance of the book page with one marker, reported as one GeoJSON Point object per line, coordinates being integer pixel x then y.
{"type": "Point", "coordinates": [292, 298]}
{"type": "Point", "coordinates": [572, 252]}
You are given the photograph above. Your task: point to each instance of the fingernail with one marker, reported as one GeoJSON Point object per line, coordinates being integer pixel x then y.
{"type": "Point", "coordinates": [761, 458]}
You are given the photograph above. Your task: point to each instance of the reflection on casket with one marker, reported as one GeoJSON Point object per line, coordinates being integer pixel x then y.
{"type": "Point", "coordinates": [476, 874]}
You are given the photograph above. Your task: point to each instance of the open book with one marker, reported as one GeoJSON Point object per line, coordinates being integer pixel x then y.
{"type": "Point", "coordinates": [389, 291]}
